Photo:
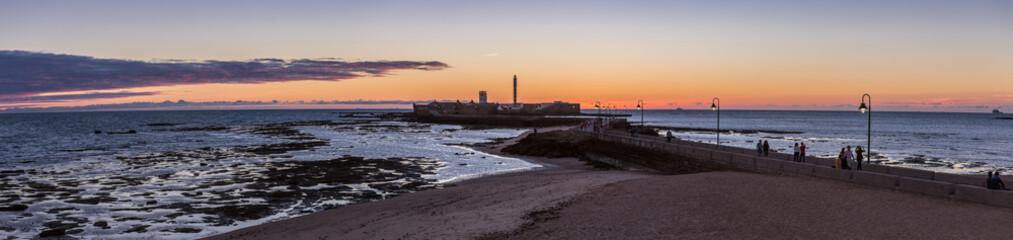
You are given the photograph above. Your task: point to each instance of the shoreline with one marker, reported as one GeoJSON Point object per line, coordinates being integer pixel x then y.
{"type": "Point", "coordinates": [552, 185]}
{"type": "Point", "coordinates": [566, 199]}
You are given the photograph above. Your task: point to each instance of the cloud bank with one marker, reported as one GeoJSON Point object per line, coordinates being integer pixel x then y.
{"type": "Point", "coordinates": [239, 104]}
{"type": "Point", "coordinates": [23, 74]}
{"type": "Point", "coordinates": [69, 97]}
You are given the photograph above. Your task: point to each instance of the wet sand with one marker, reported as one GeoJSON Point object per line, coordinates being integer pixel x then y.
{"type": "Point", "coordinates": [568, 200]}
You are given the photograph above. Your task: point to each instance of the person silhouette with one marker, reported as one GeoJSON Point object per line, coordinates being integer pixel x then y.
{"type": "Point", "coordinates": [766, 148]}
{"type": "Point", "coordinates": [802, 152]}
{"type": "Point", "coordinates": [796, 158]}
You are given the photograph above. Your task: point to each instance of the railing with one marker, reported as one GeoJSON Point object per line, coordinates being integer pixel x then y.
{"type": "Point", "coordinates": [958, 187]}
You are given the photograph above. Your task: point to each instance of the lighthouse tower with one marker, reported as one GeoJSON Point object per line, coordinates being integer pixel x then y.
{"type": "Point", "coordinates": [515, 88]}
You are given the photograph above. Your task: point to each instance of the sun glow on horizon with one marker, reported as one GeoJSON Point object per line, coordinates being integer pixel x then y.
{"type": "Point", "coordinates": [917, 56]}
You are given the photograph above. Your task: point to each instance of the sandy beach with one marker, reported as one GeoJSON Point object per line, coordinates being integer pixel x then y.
{"type": "Point", "coordinates": [568, 200]}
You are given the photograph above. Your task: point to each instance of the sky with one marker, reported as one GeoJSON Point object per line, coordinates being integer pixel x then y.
{"type": "Point", "coordinates": [922, 55]}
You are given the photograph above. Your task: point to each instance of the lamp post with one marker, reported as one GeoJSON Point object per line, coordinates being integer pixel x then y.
{"type": "Point", "coordinates": [597, 106]}
{"type": "Point", "coordinates": [612, 111]}
{"type": "Point", "coordinates": [868, 137]}
{"type": "Point", "coordinates": [615, 107]}
{"type": "Point", "coordinates": [641, 106]}
{"type": "Point", "coordinates": [716, 106]}
{"type": "Point", "coordinates": [605, 106]}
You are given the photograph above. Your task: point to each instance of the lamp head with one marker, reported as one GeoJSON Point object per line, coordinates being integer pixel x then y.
{"type": "Point", "coordinates": [862, 108]}
{"type": "Point", "coordinates": [714, 107]}
{"type": "Point", "coordinates": [638, 106]}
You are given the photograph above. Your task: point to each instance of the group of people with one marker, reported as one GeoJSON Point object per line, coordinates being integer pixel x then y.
{"type": "Point", "coordinates": [847, 158]}
{"type": "Point", "coordinates": [597, 125]}
{"type": "Point", "coordinates": [994, 182]}
{"type": "Point", "coordinates": [762, 148]}
{"type": "Point", "coordinates": [799, 153]}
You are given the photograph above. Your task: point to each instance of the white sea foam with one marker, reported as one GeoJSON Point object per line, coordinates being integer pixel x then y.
{"type": "Point", "coordinates": [169, 180]}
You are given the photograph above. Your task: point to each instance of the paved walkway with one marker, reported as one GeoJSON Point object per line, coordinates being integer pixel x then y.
{"type": "Point", "coordinates": [957, 187]}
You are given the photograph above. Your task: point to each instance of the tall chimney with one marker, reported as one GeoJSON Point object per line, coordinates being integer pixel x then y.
{"type": "Point", "coordinates": [515, 88]}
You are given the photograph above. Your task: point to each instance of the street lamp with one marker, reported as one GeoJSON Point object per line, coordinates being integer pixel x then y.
{"type": "Point", "coordinates": [863, 108]}
{"type": "Point", "coordinates": [716, 106]}
{"type": "Point", "coordinates": [597, 106]}
{"type": "Point", "coordinates": [641, 106]}
{"type": "Point", "coordinates": [615, 108]}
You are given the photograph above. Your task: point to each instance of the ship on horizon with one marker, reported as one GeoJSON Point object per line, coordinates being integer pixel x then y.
{"type": "Point", "coordinates": [996, 110]}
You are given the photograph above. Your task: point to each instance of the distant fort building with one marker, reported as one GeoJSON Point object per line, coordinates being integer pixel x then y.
{"type": "Point", "coordinates": [483, 107]}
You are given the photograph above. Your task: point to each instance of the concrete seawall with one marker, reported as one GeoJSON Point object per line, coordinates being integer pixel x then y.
{"type": "Point", "coordinates": [967, 188]}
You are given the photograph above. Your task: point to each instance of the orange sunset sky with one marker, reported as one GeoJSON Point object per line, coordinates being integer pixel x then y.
{"type": "Point", "coordinates": [793, 55]}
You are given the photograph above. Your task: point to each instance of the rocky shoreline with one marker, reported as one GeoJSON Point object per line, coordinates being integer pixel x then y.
{"type": "Point", "coordinates": [214, 190]}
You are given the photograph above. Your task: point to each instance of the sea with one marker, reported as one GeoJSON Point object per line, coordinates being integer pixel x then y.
{"type": "Point", "coordinates": [966, 143]}
{"type": "Point", "coordinates": [189, 174]}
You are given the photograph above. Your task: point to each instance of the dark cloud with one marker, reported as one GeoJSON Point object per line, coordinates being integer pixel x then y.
{"type": "Point", "coordinates": [183, 104]}
{"type": "Point", "coordinates": [24, 73]}
{"type": "Point", "coordinates": [68, 97]}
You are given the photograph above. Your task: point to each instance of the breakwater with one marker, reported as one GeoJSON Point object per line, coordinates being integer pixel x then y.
{"type": "Point", "coordinates": [957, 187]}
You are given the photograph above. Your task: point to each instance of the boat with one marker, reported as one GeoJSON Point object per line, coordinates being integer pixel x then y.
{"type": "Point", "coordinates": [996, 111]}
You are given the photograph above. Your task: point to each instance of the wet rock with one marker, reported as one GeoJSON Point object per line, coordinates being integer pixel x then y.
{"type": "Point", "coordinates": [13, 208]}
{"type": "Point", "coordinates": [53, 233]}
{"type": "Point", "coordinates": [554, 144]}
{"type": "Point", "coordinates": [101, 224]}
{"type": "Point", "coordinates": [75, 231]}
{"type": "Point", "coordinates": [183, 230]}
{"type": "Point", "coordinates": [92, 201]}
{"type": "Point", "coordinates": [138, 229]}
{"type": "Point", "coordinates": [42, 187]}
{"type": "Point", "coordinates": [124, 219]}
{"type": "Point", "coordinates": [58, 210]}
{"type": "Point", "coordinates": [151, 202]}
{"type": "Point", "coordinates": [174, 215]}
{"type": "Point", "coordinates": [12, 171]}
{"type": "Point", "coordinates": [60, 225]}
{"type": "Point", "coordinates": [241, 212]}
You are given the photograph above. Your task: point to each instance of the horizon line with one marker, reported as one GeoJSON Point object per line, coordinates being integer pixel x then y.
{"type": "Point", "coordinates": [330, 107]}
